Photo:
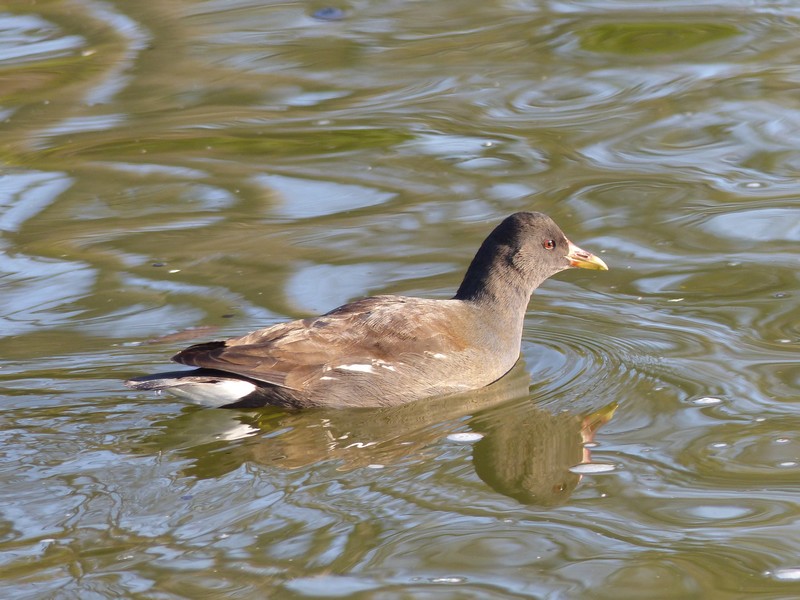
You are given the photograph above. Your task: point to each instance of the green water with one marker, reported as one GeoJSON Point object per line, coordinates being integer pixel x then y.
{"type": "Point", "coordinates": [182, 171]}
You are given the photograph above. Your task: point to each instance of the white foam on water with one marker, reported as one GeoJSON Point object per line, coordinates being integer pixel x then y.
{"type": "Point", "coordinates": [465, 436]}
{"type": "Point", "coordinates": [787, 574]}
{"type": "Point", "coordinates": [707, 401]}
{"type": "Point", "coordinates": [593, 468]}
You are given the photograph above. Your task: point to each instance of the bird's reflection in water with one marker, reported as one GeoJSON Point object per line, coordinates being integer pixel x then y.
{"type": "Point", "coordinates": [525, 453]}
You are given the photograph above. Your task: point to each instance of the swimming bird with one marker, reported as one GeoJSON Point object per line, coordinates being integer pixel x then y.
{"type": "Point", "coordinates": [387, 350]}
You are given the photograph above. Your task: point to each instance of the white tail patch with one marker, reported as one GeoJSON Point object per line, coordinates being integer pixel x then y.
{"type": "Point", "coordinates": [218, 393]}
{"type": "Point", "coordinates": [438, 355]}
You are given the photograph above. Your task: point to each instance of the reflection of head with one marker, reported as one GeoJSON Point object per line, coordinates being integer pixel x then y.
{"type": "Point", "coordinates": [528, 456]}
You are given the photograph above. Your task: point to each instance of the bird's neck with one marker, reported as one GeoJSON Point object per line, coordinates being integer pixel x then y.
{"type": "Point", "coordinates": [493, 280]}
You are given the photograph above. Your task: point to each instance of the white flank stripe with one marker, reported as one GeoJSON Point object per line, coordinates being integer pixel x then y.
{"type": "Point", "coordinates": [356, 367]}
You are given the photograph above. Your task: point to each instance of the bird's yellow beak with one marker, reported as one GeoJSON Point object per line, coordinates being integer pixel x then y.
{"type": "Point", "coordinates": [584, 260]}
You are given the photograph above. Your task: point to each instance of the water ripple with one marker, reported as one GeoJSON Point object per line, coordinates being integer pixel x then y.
{"type": "Point", "coordinates": [180, 171]}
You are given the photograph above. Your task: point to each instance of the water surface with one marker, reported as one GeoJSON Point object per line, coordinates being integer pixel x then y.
{"type": "Point", "coordinates": [182, 171]}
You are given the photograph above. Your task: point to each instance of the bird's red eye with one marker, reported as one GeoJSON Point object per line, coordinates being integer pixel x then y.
{"type": "Point", "coordinates": [549, 244]}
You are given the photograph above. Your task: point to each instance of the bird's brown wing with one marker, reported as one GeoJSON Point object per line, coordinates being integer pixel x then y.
{"type": "Point", "coordinates": [294, 354]}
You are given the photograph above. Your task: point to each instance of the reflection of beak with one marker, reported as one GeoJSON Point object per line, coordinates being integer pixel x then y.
{"type": "Point", "coordinates": [584, 260]}
{"type": "Point", "coordinates": [590, 424]}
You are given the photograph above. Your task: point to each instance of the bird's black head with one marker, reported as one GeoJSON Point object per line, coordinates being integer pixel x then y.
{"type": "Point", "coordinates": [521, 252]}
